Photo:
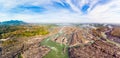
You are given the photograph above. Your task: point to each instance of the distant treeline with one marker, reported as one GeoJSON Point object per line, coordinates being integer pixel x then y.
{"type": "Point", "coordinates": [12, 22]}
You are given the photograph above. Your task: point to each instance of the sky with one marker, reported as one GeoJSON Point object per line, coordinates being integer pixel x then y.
{"type": "Point", "coordinates": [61, 11]}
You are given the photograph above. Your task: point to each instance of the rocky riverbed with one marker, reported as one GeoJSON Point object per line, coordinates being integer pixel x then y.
{"type": "Point", "coordinates": [71, 41]}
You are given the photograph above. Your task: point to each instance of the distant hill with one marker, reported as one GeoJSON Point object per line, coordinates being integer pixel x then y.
{"type": "Point", "coordinates": [13, 22]}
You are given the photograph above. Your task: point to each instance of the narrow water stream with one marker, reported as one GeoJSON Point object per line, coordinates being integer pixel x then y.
{"type": "Point", "coordinates": [57, 50]}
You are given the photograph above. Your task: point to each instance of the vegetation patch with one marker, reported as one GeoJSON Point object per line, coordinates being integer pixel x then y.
{"type": "Point", "coordinates": [22, 31]}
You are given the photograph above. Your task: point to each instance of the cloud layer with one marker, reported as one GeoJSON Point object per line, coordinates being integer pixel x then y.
{"type": "Point", "coordinates": [61, 11]}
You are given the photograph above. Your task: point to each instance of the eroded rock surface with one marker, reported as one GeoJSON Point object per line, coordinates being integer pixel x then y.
{"type": "Point", "coordinates": [98, 49]}
{"type": "Point", "coordinates": [82, 42]}
{"type": "Point", "coordinates": [35, 52]}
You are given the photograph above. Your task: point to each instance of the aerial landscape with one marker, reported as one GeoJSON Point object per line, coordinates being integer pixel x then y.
{"type": "Point", "coordinates": [19, 39]}
{"type": "Point", "coordinates": [60, 29]}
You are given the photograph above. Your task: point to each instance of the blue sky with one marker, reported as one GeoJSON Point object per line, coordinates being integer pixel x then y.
{"type": "Point", "coordinates": [61, 11]}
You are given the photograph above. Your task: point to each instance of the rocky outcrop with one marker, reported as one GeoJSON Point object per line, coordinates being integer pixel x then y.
{"type": "Point", "coordinates": [82, 42]}
{"type": "Point", "coordinates": [98, 49]}
{"type": "Point", "coordinates": [27, 49]}
{"type": "Point", "coordinates": [101, 47]}
{"type": "Point", "coordinates": [35, 52]}
{"type": "Point", "coordinates": [116, 32]}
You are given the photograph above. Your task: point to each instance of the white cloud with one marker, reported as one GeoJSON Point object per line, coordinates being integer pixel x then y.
{"type": "Point", "coordinates": [107, 13]}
